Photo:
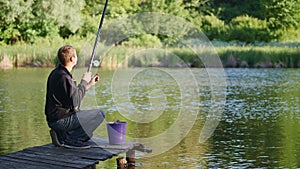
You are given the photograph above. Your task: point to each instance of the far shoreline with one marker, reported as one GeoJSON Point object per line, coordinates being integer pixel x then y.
{"type": "Point", "coordinates": [124, 56]}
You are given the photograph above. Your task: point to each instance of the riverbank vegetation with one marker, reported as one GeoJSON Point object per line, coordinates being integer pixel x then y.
{"type": "Point", "coordinates": [43, 54]}
{"type": "Point", "coordinates": [247, 33]}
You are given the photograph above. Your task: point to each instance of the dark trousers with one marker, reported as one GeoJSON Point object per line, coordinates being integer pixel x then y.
{"type": "Point", "coordinates": [79, 126]}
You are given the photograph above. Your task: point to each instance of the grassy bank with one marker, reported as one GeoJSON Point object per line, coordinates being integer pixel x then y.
{"type": "Point", "coordinates": [260, 56]}
{"type": "Point", "coordinates": [43, 54]}
{"type": "Point", "coordinates": [40, 54]}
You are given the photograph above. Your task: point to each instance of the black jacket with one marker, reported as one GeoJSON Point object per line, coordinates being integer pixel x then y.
{"type": "Point", "coordinates": [63, 96]}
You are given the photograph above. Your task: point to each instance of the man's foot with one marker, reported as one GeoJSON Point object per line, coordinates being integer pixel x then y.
{"type": "Point", "coordinates": [76, 144]}
{"type": "Point", "coordinates": [54, 138]}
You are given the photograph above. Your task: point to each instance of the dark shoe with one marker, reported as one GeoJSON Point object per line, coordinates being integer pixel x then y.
{"type": "Point", "coordinates": [54, 138]}
{"type": "Point", "coordinates": [76, 144]}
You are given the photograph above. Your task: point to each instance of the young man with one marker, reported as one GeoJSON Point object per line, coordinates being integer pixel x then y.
{"type": "Point", "coordinates": [69, 125]}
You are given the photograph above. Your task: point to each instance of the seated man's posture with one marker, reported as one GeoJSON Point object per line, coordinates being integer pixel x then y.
{"type": "Point", "coordinates": [69, 125]}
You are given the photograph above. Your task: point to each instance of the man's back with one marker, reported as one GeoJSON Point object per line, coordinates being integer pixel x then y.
{"type": "Point", "coordinates": [63, 96]}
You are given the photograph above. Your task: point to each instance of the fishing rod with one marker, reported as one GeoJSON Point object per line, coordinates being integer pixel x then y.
{"type": "Point", "coordinates": [97, 37]}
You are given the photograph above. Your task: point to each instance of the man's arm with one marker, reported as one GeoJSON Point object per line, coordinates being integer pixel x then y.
{"type": "Point", "coordinates": [77, 93]}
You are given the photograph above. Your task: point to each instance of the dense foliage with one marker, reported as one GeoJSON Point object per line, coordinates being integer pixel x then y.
{"type": "Point", "coordinates": [239, 20]}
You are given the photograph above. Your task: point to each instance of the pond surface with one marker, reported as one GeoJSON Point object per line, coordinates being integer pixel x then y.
{"type": "Point", "coordinates": [259, 126]}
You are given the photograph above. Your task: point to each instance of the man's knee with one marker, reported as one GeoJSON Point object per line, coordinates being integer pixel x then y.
{"type": "Point", "coordinates": [101, 114]}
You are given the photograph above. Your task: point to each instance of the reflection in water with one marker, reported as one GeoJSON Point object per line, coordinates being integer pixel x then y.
{"type": "Point", "coordinates": [259, 127]}
{"type": "Point", "coordinates": [22, 122]}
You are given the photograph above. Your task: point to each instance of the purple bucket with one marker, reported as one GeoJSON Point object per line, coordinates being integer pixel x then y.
{"type": "Point", "coordinates": [116, 132]}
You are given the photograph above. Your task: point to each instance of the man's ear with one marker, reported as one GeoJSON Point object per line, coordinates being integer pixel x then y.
{"type": "Point", "coordinates": [72, 59]}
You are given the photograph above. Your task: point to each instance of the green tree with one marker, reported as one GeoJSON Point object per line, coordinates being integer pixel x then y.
{"type": "Point", "coordinates": [203, 7]}
{"type": "Point", "coordinates": [175, 7]}
{"type": "Point", "coordinates": [23, 20]}
{"type": "Point", "coordinates": [213, 27]}
{"type": "Point", "coordinates": [57, 16]}
{"type": "Point", "coordinates": [248, 29]}
{"type": "Point", "coordinates": [15, 20]}
{"type": "Point", "coordinates": [281, 15]}
{"type": "Point", "coordinates": [172, 7]}
{"type": "Point", "coordinates": [229, 9]}
{"type": "Point", "coordinates": [93, 10]}
{"type": "Point", "coordinates": [121, 8]}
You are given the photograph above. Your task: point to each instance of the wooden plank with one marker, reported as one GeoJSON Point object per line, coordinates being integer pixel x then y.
{"type": "Point", "coordinates": [115, 152]}
{"type": "Point", "coordinates": [93, 150]}
{"type": "Point", "coordinates": [95, 154]}
{"type": "Point", "coordinates": [104, 143]}
{"type": "Point", "coordinates": [17, 165]}
{"type": "Point", "coordinates": [62, 157]}
{"type": "Point", "coordinates": [42, 160]}
{"type": "Point", "coordinates": [66, 152]}
{"type": "Point", "coordinates": [25, 164]}
{"type": "Point", "coordinates": [50, 156]}
{"type": "Point", "coordinates": [115, 148]}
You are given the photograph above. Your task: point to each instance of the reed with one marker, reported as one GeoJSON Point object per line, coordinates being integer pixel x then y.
{"type": "Point", "coordinates": [43, 54]}
{"type": "Point", "coordinates": [28, 55]}
{"type": "Point", "coordinates": [257, 55]}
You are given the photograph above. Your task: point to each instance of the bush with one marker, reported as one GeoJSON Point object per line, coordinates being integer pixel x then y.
{"type": "Point", "coordinates": [291, 34]}
{"type": "Point", "coordinates": [213, 27]}
{"type": "Point", "coordinates": [144, 40]}
{"type": "Point", "coordinates": [90, 26]}
{"type": "Point", "coordinates": [248, 29]}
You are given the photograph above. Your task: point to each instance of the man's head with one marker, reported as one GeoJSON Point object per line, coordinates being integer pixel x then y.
{"type": "Point", "coordinates": [67, 55]}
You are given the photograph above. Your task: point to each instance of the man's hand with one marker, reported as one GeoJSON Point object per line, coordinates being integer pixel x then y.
{"type": "Point", "coordinates": [87, 76]}
{"type": "Point", "coordinates": [93, 81]}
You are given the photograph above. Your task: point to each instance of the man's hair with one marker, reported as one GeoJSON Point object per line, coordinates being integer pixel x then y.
{"type": "Point", "coordinates": [65, 53]}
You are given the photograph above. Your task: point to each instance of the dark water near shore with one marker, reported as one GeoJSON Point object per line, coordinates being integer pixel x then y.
{"type": "Point", "coordinates": [259, 127]}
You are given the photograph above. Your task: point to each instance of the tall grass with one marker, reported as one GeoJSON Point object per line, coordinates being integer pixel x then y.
{"type": "Point", "coordinates": [255, 55]}
{"type": "Point", "coordinates": [43, 53]}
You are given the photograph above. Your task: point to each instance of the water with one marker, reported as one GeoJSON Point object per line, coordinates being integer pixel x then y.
{"type": "Point", "coordinates": [259, 127]}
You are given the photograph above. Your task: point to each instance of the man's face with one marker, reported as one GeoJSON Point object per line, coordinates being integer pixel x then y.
{"type": "Point", "coordinates": [74, 59]}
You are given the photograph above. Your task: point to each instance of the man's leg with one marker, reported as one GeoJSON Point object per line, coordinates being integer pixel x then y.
{"type": "Point", "coordinates": [63, 126]}
{"type": "Point", "coordinates": [90, 120]}
{"type": "Point", "coordinates": [78, 127]}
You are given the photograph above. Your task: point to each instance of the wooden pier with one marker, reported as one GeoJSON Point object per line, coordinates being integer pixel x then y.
{"type": "Point", "coordinates": [51, 157]}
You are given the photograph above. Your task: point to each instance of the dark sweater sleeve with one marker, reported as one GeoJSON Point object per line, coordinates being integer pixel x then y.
{"type": "Point", "coordinates": [77, 93]}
